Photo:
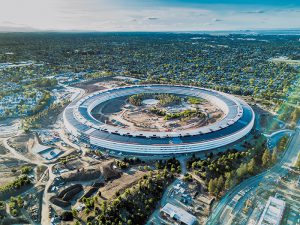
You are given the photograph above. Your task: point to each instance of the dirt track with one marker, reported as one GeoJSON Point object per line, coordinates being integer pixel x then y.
{"type": "Point", "coordinates": [126, 180]}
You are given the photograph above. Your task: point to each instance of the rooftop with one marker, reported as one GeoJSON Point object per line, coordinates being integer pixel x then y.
{"type": "Point", "coordinates": [273, 212]}
{"type": "Point", "coordinates": [179, 214]}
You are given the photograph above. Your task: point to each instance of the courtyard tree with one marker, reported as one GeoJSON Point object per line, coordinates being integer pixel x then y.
{"type": "Point", "coordinates": [266, 158]}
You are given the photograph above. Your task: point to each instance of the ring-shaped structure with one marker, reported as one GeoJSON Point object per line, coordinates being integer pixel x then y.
{"type": "Point", "coordinates": [238, 120]}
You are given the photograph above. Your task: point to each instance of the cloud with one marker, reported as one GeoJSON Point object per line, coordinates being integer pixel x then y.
{"type": "Point", "coordinates": [17, 29]}
{"type": "Point", "coordinates": [217, 20]}
{"type": "Point", "coordinates": [107, 15]}
{"type": "Point", "coordinates": [8, 23]}
{"type": "Point", "coordinates": [153, 18]}
{"type": "Point", "coordinates": [254, 12]}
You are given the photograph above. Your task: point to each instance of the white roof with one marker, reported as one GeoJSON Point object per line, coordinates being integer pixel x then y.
{"type": "Point", "coordinates": [37, 147]}
{"type": "Point", "coordinates": [232, 109]}
{"type": "Point", "coordinates": [273, 212]}
{"type": "Point", "coordinates": [90, 130]}
{"type": "Point", "coordinates": [179, 214]}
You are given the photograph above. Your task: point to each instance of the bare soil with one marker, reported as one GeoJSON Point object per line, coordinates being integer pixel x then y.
{"type": "Point", "coordinates": [20, 143]}
{"type": "Point", "coordinates": [118, 185]}
{"type": "Point", "coordinates": [92, 85]}
{"type": "Point", "coordinates": [115, 113]}
{"type": "Point", "coordinates": [23, 144]}
{"type": "Point", "coordinates": [3, 150]}
{"type": "Point", "coordinates": [7, 167]}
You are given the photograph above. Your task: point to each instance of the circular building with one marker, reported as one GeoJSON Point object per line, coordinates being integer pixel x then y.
{"type": "Point", "coordinates": [236, 121]}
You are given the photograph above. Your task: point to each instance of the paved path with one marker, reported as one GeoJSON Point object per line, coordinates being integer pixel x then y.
{"type": "Point", "coordinates": [278, 132]}
{"type": "Point", "coordinates": [17, 154]}
{"type": "Point", "coordinates": [45, 204]}
{"type": "Point", "coordinates": [13, 130]}
{"type": "Point", "coordinates": [279, 169]}
{"type": "Point", "coordinates": [9, 128]}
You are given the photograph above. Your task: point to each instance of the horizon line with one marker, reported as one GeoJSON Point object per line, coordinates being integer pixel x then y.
{"type": "Point", "coordinates": [146, 31]}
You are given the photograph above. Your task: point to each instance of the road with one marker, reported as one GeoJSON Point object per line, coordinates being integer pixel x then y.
{"type": "Point", "coordinates": [279, 132]}
{"type": "Point", "coordinates": [280, 169]}
{"type": "Point", "coordinates": [155, 217]}
{"type": "Point", "coordinates": [13, 129]}
{"type": "Point", "coordinates": [45, 204]}
{"type": "Point", "coordinates": [17, 154]}
{"type": "Point", "coordinates": [9, 127]}
{"type": "Point", "coordinates": [275, 137]}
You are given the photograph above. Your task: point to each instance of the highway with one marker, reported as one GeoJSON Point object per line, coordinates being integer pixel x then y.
{"type": "Point", "coordinates": [280, 169]}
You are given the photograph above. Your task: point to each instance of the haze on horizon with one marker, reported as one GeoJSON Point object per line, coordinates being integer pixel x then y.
{"type": "Point", "coordinates": [148, 15]}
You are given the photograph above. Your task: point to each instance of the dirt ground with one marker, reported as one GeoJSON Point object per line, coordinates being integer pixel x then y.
{"type": "Point", "coordinates": [20, 142]}
{"type": "Point", "coordinates": [7, 167]}
{"type": "Point", "coordinates": [117, 185]}
{"type": "Point", "coordinates": [3, 150]}
{"type": "Point", "coordinates": [51, 118]}
{"type": "Point", "coordinates": [92, 85]}
{"type": "Point", "coordinates": [33, 200]}
{"type": "Point", "coordinates": [117, 113]}
{"type": "Point", "coordinates": [23, 144]}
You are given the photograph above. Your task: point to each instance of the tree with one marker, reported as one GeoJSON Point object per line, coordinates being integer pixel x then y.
{"type": "Point", "coordinates": [178, 169]}
{"type": "Point", "coordinates": [20, 201]}
{"type": "Point", "coordinates": [67, 216]}
{"type": "Point", "coordinates": [229, 180]}
{"type": "Point", "coordinates": [26, 169]}
{"type": "Point", "coordinates": [220, 183]}
{"type": "Point", "coordinates": [274, 156]}
{"type": "Point", "coordinates": [211, 186]}
{"type": "Point", "coordinates": [241, 171]}
{"type": "Point", "coordinates": [74, 212]}
{"type": "Point", "coordinates": [298, 162]}
{"type": "Point", "coordinates": [266, 158]}
{"type": "Point", "coordinates": [103, 206]}
{"type": "Point", "coordinates": [86, 211]}
{"type": "Point", "coordinates": [251, 167]}
{"type": "Point", "coordinates": [14, 212]}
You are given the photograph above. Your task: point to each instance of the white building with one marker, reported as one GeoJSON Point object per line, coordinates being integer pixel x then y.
{"type": "Point", "coordinates": [179, 215]}
{"type": "Point", "coordinates": [273, 212]}
{"type": "Point", "coordinates": [237, 122]}
{"type": "Point", "coordinates": [131, 79]}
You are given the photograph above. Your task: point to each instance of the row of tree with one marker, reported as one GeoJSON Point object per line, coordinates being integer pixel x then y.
{"type": "Point", "coordinates": [164, 99]}
{"type": "Point", "coordinates": [131, 207]}
{"type": "Point", "coordinates": [15, 184]}
{"type": "Point", "coordinates": [289, 113]}
{"type": "Point", "coordinates": [35, 121]}
{"type": "Point", "coordinates": [186, 114]}
{"type": "Point", "coordinates": [15, 204]}
{"type": "Point", "coordinates": [254, 163]}
{"type": "Point", "coordinates": [172, 165]}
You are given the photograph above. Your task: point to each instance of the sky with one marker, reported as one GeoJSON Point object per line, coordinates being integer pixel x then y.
{"type": "Point", "coordinates": [148, 15]}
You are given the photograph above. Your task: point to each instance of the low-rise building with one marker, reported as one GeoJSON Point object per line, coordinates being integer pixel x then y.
{"type": "Point", "coordinates": [273, 212]}
{"type": "Point", "coordinates": [130, 79]}
{"type": "Point", "coordinates": [178, 215]}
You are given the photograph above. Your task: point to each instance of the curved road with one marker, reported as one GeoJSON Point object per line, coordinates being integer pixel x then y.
{"type": "Point", "coordinates": [278, 132]}
{"type": "Point", "coordinates": [45, 203]}
{"type": "Point", "coordinates": [279, 169]}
